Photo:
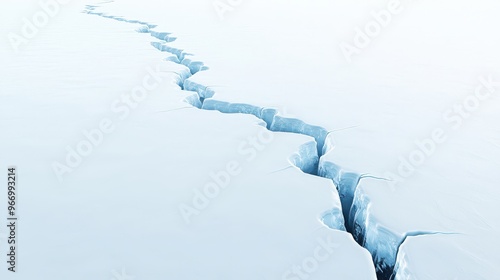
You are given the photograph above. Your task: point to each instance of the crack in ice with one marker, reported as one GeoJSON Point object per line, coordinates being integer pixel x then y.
{"type": "Point", "coordinates": [309, 158]}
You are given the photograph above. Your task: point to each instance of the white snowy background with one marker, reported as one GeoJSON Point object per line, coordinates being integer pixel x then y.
{"type": "Point", "coordinates": [251, 139]}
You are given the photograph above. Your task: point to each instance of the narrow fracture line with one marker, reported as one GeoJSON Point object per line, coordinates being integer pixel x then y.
{"type": "Point", "coordinates": [373, 177]}
{"type": "Point", "coordinates": [345, 128]}
{"type": "Point", "coordinates": [176, 109]}
{"type": "Point", "coordinates": [279, 170]}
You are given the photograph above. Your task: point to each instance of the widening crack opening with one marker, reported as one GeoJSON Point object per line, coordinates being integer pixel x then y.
{"type": "Point", "coordinates": [309, 159]}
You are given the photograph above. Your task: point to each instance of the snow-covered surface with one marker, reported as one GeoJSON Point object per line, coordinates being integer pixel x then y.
{"type": "Point", "coordinates": [452, 249]}
{"type": "Point", "coordinates": [153, 199]}
{"type": "Point", "coordinates": [280, 61]}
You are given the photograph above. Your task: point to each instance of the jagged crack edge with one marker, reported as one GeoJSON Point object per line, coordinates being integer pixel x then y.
{"type": "Point", "coordinates": [308, 162]}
